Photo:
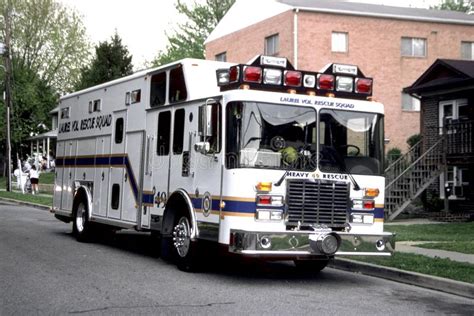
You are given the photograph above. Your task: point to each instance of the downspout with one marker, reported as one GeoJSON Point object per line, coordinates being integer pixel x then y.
{"type": "Point", "coordinates": [295, 38]}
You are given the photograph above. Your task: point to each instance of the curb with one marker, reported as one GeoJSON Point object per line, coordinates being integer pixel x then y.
{"type": "Point", "coordinates": [38, 206]}
{"type": "Point", "coordinates": [422, 280]}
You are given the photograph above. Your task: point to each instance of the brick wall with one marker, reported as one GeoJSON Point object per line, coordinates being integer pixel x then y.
{"type": "Point", "coordinates": [374, 45]}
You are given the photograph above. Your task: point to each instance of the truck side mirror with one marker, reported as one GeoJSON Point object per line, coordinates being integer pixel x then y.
{"type": "Point", "coordinates": [208, 128]}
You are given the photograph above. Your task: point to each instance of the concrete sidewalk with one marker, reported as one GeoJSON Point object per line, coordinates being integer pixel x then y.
{"type": "Point", "coordinates": [410, 247]}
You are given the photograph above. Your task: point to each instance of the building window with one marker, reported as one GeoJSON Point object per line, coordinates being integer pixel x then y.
{"type": "Point", "coordinates": [413, 47]}
{"type": "Point", "coordinates": [467, 50]}
{"type": "Point", "coordinates": [339, 42]}
{"type": "Point", "coordinates": [410, 103]}
{"type": "Point", "coordinates": [221, 57]}
{"type": "Point", "coordinates": [272, 45]}
{"type": "Point", "coordinates": [452, 110]}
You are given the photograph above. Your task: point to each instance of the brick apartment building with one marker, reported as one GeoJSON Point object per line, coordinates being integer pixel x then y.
{"type": "Point", "coordinates": [394, 45]}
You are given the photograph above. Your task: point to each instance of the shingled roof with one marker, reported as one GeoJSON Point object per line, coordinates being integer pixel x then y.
{"type": "Point", "coordinates": [442, 75]}
{"type": "Point", "coordinates": [248, 12]}
{"type": "Point", "coordinates": [383, 11]}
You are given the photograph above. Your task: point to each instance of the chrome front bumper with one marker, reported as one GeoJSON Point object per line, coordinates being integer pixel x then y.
{"type": "Point", "coordinates": [298, 244]}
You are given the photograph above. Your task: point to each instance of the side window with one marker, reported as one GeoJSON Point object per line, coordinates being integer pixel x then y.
{"type": "Point", "coordinates": [158, 89]}
{"type": "Point", "coordinates": [136, 96]}
{"type": "Point", "coordinates": [119, 130]}
{"type": "Point", "coordinates": [163, 138]}
{"type": "Point", "coordinates": [178, 132]}
{"type": "Point", "coordinates": [115, 201]}
{"type": "Point", "coordinates": [177, 85]}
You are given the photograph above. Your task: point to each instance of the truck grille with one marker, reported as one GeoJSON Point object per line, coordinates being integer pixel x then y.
{"type": "Point", "coordinates": [317, 202]}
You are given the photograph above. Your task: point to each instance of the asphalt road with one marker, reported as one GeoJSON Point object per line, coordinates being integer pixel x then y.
{"type": "Point", "coordinates": [44, 270]}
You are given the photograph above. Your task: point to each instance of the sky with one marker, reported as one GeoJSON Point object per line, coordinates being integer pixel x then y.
{"type": "Point", "coordinates": [142, 23]}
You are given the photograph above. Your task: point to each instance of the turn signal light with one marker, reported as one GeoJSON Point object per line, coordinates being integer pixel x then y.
{"type": "Point", "coordinates": [264, 186]}
{"type": "Point", "coordinates": [372, 192]}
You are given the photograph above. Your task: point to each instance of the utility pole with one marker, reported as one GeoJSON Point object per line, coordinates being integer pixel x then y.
{"type": "Point", "coordinates": [8, 96]}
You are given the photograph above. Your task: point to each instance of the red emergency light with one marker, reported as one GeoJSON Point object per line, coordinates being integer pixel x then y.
{"type": "Point", "coordinates": [277, 74]}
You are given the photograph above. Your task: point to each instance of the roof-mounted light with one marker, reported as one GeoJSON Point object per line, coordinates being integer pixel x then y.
{"type": "Point", "coordinates": [293, 78]}
{"type": "Point", "coordinates": [345, 84]}
{"type": "Point", "coordinates": [272, 76]}
{"type": "Point", "coordinates": [222, 77]}
{"type": "Point", "coordinates": [252, 74]}
{"type": "Point", "coordinates": [325, 82]}
{"type": "Point", "coordinates": [309, 81]}
{"type": "Point", "coordinates": [363, 85]}
{"type": "Point", "coordinates": [234, 72]}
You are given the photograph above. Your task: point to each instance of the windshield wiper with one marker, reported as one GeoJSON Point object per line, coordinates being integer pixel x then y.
{"type": "Point", "coordinates": [279, 182]}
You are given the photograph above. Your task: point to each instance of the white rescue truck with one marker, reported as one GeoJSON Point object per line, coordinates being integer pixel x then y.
{"type": "Point", "coordinates": [264, 160]}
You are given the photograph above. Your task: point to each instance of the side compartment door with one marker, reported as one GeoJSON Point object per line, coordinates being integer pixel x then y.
{"type": "Point", "coordinates": [69, 174]}
{"type": "Point", "coordinates": [117, 165]}
{"type": "Point", "coordinates": [101, 178]}
{"type": "Point", "coordinates": [132, 192]}
{"type": "Point", "coordinates": [58, 181]}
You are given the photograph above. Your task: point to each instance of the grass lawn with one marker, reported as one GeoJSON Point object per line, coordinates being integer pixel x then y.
{"type": "Point", "coordinates": [433, 232]}
{"type": "Point", "coordinates": [37, 199]}
{"type": "Point", "coordinates": [44, 178]}
{"type": "Point", "coordinates": [444, 268]}
{"type": "Point", "coordinates": [457, 237]}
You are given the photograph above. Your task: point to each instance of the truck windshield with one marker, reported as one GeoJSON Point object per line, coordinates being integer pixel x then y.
{"type": "Point", "coordinates": [263, 135]}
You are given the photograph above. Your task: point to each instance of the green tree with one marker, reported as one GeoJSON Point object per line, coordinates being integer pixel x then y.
{"type": "Point", "coordinates": [454, 5]}
{"type": "Point", "coordinates": [48, 38]}
{"type": "Point", "coordinates": [188, 40]}
{"type": "Point", "coordinates": [111, 61]}
{"type": "Point", "coordinates": [32, 100]}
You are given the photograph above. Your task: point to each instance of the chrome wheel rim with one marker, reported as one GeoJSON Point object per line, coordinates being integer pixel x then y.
{"type": "Point", "coordinates": [80, 217]}
{"type": "Point", "coordinates": [182, 237]}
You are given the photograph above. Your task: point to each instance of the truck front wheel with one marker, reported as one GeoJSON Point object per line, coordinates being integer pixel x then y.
{"type": "Point", "coordinates": [186, 249]}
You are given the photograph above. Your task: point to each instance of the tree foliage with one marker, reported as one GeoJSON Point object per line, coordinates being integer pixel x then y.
{"type": "Point", "coordinates": [32, 99]}
{"type": "Point", "coordinates": [454, 5]}
{"type": "Point", "coordinates": [49, 39]}
{"type": "Point", "coordinates": [188, 40]}
{"type": "Point", "coordinates": [112, 60]}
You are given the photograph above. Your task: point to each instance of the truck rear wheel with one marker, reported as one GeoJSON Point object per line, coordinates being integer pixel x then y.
{"type": "Point", "coordinates": [314, 266]}
{"type": "Point", "coordinates": [81, 226]}
{"type": "Point", "coordinates": [185, 249]}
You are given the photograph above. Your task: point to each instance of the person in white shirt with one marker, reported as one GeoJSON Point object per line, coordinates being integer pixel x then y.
{"type": "Point", "coordinates": [34, 178]}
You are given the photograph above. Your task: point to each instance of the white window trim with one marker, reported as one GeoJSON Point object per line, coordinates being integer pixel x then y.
{"type": "Point", "coordinates": [472, 50]}
{"type": "Point", "coordinates": [412, 53]}
{"type": "Point", "coordinates": [456, 104]}
{"type": "Point", "coordinates": [415, 104]}
{"type": "Point", "coordinates": [276, 46]}
{"type": "Point", "coordinates": [336, 48]}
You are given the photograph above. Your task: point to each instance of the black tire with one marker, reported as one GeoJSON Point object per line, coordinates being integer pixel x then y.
{"type": "Point", "coordinates": [185, 251]}
{"type": "Point", "coordinates": [312, 266]}
{"type": "Point", "coordinates": [81, 225]}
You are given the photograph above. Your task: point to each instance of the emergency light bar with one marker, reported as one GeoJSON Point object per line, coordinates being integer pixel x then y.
{"type": "Point", "coordinates": [277, 74]}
